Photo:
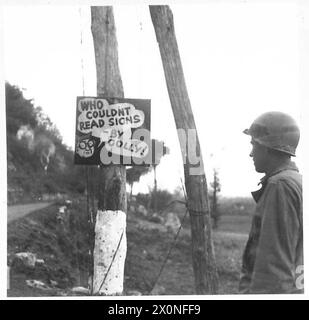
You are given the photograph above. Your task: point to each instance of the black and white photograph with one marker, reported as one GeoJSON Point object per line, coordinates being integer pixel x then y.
{"type": "Point", "coordinates": [154, 149]}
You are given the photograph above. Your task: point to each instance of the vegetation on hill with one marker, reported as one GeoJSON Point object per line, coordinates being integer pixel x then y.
{"type": "Point", "coordinates": [38, 161]}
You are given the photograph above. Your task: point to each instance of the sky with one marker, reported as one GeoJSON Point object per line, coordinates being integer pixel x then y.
{"type": "Point", "coordinates": [240, 59]}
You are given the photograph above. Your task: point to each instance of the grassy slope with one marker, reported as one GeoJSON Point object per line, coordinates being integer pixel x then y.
{"type": "Point", "coordinates": [64, 249]}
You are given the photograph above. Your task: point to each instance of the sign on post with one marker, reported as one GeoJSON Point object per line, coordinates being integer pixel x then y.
{"type": "Point", "coordinates": [112, 131]}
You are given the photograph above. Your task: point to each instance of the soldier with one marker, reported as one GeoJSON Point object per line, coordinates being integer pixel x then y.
{"type": "Point", "coordinates": [273, 257]}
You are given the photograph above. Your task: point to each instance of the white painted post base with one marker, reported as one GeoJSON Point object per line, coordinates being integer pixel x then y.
{"type": "Point", "coordinates": [110, 225]}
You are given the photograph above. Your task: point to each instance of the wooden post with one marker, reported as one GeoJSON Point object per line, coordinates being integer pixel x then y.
{"type": "Point", "coordinates": [155, 189]}
{"type": "Point", "coordinates": [91, 210]}
{"type": "Point", "coordinates": [110, 229]}
{"type": "Point", "coordinates": [204, 266]}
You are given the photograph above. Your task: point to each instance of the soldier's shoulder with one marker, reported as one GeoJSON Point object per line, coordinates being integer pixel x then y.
{"type": "Point", "coordinates": [287, 177]}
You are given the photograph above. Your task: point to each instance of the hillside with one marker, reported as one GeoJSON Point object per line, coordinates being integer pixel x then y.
{"type": "Point", "coordinates": [39, 164]}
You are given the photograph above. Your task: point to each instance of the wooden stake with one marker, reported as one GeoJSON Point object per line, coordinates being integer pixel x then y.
{"type": "Point", "coordinates": [111, 220]}
{"type": "Point", "coordinates": [204, 266]}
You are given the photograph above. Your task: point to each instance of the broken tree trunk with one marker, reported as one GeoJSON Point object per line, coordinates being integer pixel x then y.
{"type": "Point", "coordinates": [110, 228]}
{"type": "Point", "coordinates": [204, 265]}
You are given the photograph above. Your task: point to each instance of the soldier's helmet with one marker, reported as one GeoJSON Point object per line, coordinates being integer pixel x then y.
{"type": "Point", "coordinates": [275, 130]}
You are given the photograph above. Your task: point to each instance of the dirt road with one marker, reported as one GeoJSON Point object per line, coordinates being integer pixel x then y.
{"type": "Point", "coordinates": [18, 211]}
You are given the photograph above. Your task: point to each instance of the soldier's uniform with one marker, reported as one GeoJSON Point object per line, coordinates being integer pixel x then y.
{"type": "Point", "coordinates": [273, 257]}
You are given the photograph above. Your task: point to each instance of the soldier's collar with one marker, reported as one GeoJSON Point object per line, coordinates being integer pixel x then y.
{"type": "Point", "coordinates": [287, 166]}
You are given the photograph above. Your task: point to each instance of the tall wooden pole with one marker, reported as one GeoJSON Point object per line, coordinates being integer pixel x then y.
{"type": "Point", "coordinates": [155, 189]}
{"type": "Point", "coordinates": [204, 266]}
{"type": "Point", "coordinates": [110, 229]}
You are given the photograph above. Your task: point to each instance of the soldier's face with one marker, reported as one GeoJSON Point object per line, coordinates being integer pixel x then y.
{"type": "Point", "coordinates": [259, 154]}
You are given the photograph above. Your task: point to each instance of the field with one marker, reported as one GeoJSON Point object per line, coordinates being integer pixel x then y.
{"type": "Point", "coordinates": [64, 245]}
{"type": "Point", "coordinates": [235, 224]}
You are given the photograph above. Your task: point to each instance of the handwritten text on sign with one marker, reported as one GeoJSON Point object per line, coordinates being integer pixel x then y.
{"type": "Point", "coordinates": [106, 125]}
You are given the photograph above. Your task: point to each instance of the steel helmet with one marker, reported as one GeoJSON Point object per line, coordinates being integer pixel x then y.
{"type": "Point", "coordinates": [275, 130]}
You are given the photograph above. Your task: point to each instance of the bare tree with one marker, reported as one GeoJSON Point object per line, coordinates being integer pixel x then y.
{"type": "Point", "coordinates": [216, 188]}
